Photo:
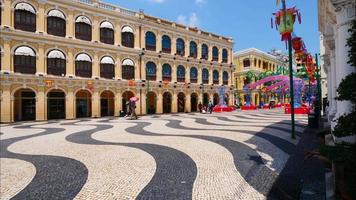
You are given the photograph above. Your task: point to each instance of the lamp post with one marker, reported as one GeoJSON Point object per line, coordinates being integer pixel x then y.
{"type": "Point", "coordinates": [318, 84]}
{"type": "Point", "coordinates": [291, 87]}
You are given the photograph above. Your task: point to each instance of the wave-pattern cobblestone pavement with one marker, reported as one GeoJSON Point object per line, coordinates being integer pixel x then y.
{"type": "Point", "coordinates": [234, 155]}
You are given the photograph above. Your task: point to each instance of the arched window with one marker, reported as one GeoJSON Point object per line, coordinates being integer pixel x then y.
{"type": "Point", "coordinates": [225, 78]}
{"type": "Point", "coordinates": [107, 67]}
{"type": "Point", "coordinates": [150, 41]}
{"type": "Point", "coordinates": [224, 56]}
{"type": "Point", "coordinates": [83, 28]}
{"type": "Point", "coordinates": [151, 71]}
{"type": "Point", "coordinates": [180, 46]}
{"type": "Point", "coordinates": [193, 51]}
{"type": "Point", "coordinates": [205, 76]}
{"type": "Point", "coordinates": [83, 65]}
{"type": "Point", "coordinates": [246, 62]}
{"type": "Point", "coordinates": [166, 44]}
{"type": "Point", "coordinates": [204, 51]}
{"type": "Point", "coordinates": [128, 69]}
{"type": "Point", "coordinates": [215, 54]}
{"type": "Point", "coordinates": [127, 37]}
{"type": "Point", "coordinates": [193, 75]}
{"type": "Point", "coordinates": [215, 77]}
{"type": "Point", "coordinates": [25, 60]}
{"type": "Point", "coordinates": [56, 63]}
{"type": "Point", "coordinates": [180, 73]}
{"type": "Point", "coordinates": [25, 17]}
{"type": "Point", "coordinates": [166, 72]}
{"type": "Point", "coordinates": [56, 23]}
{"type": "Point", "coordinates": [106, 32]}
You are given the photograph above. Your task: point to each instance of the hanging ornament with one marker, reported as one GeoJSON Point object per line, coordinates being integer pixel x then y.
{"type": "Point", "coordinates": [285, 22]}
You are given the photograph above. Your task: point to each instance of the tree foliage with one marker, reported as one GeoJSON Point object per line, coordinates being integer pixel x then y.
{"type": "Point", "coordinates": [347, 91]}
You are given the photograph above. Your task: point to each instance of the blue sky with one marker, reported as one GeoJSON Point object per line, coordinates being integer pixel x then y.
{"type": "Point", "coordinates": [247, 21]}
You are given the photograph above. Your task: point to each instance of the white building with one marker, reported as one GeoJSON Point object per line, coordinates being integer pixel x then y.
{"type": "Point", "coordinates": [335, 18]}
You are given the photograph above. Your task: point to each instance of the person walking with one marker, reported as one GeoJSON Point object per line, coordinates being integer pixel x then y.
{"type": "Point", "coordinates": [210, 107]}
{"type": "Point", "coordinates": [133, 109]}
{"type": "Point", "coordinates": [200, 106]}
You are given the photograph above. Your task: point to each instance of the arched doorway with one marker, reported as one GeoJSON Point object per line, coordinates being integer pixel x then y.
{"type": "Point", "coordinates": [107, 103]}
{"type": "Point", "coordinates": [216, 99]}
{"type": "Point", "coordinates": [181, 102]}
{"type": "Point", "coordinates": [151, 100]}
{"type": "Point", "coordinates": [194, 102]}
{"type": "Point", "coordinates": [83, 103]}
{"type": "Point", "coordinates": [56, 104]}
{"type": "Point", "coordinates": [24, 105]}
{"type": "Point", "coordinates": [205, 99]}
{"type": "Point", "coordinates": [167, 102]}
{"type": "Point", "coordinates": [125, 98]}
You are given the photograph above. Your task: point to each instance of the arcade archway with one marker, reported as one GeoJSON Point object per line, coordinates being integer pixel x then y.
{"type": "Point", "coordinates": [216, 99]}
{"type": "Point", "coordinates": [56, 104]}
{"type": "Point", "coordinates": [107, 103]}
{"type": "Point", "coordinates": [151, 103]}
{"type": "Point", "coordinates": [83, 103]}
{"type": "Point", "coordinates": [194, 102]}
{"type": "Point", "coordinates": [167, 102]}
{"type": "Point", "coordinates": [205, 99]}
{"type": "Point", "coordinates": [125, 98]}
{"type": "Point", "coordinates": [24, 105]}
{"type": "Point", "coordinates": [181, 102]}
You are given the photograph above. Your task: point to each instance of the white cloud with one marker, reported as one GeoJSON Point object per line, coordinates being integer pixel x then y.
{"type": "Point", "coordinates": [200, 2]}
{"type": "Point", "coordinates": [192, 21]}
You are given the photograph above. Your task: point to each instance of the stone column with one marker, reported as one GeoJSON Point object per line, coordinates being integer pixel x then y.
{"type": "Point", "coordinates": [199, 50]}
{"type": "Point", "coordinates": [210, 75]}
{"type": "Point", "coordinates": [40, 103]}
{"type": "Point", "coordinates": [7, 55]}
{"type": "Point", "coordinates": [137, 71]}
{"type": "Point", "coordinates": [118, 103]}
{"type": "Point", "coordinates": [137, 38]}
{"type": "Point", "coordinates": [174, 103]}
{"type": "Point", "coordinates": [143, 38]}
{"type": "Point", "coordinates": [117, 36]}
{"type": "Point", "coordinates": [159, 102]}
{"type": "Point", "coordinates": [158, 43]}
{"type": "Point", "coordinates": [40, 23]}
{"type": "Point", "coordinates": [40, 67]}
{"type": "Point", "coordinates": [332, 85]}
{"type": "Point", "coordinates": [143, 99]}
{"type": "Point", "coordinates": [174, 73]}
{"type": "Point", "coordinates": [5, 100]}
{"type": "Point", "coordinates": [210, 53]}
{"type": "Point", "coordinates": [200, 78]}
{"type": "Point", "coordinates": [143, 69]}
{"type": "Point", "coordinates": [95, 29]}
{"type": "Point", "coordinates": [6, 14]}
{"type": "Point", "coordinates": [187, 74]}
{"type": "Point", "coordinates": [159, 71]}
{"type": "Point", "coordinates": [70, 104]}
{"type": "Point", "coordinates": [174, 45]}
{"type": "Point", "coordinates": [187, 102]}
{"type": "Point", "coordinates": [96, 66]}
{"type": "Point", "coordinates": [345, 12]}
{"type": "Point", "coordinates": [95, 105]}
{"type": "Point", "coordinates": [220, 77]}
{"type": "Point", "coordinates": [186, 50]}
{"type": "Point", "coordinates": [70, 68]}
{"type": "Point", "coordinates": [118, 69]}
{"type": "Point", "coordinates": [70, 24]}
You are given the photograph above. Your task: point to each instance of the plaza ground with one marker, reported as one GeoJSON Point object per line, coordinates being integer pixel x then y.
{"type": "Point", "coordinates": [236, 155]}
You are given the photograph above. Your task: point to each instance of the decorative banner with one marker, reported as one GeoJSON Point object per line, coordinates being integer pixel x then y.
{"type": "Point", "coordinates": [48, 83]}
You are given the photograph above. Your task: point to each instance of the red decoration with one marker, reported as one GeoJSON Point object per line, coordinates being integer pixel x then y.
{"type": "Point", "coordinates": [131, 83]}
{"type": "Point", "coordinates": [286, 29]}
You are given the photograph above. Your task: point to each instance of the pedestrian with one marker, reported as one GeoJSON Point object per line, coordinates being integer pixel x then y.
{"type": "Point", "coordinates": [200, 106]}
{"type": "Point", "coordinates": [210, 106]}
{"type": "Point", "coordinates": [127, 104]}
{"type": "Point", "coordinates": [133, 110]}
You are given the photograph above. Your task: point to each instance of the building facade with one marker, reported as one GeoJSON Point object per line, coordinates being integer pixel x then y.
{"type": "Point", "coordinates": [249, 65]}
{"type": "Point", "coordinates": [335, 18]}
{"type": "Point", "coordinates": [85, 58]}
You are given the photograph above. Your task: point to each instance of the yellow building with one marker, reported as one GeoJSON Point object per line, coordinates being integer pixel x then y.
{"type": "Point", "coordinates": [86, 58]}
{"type": "Point", "coordinates": [249, 64]}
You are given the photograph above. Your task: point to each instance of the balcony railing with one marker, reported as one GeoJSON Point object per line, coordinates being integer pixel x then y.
{"type": "Point", "coordinates": [108, 6]}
